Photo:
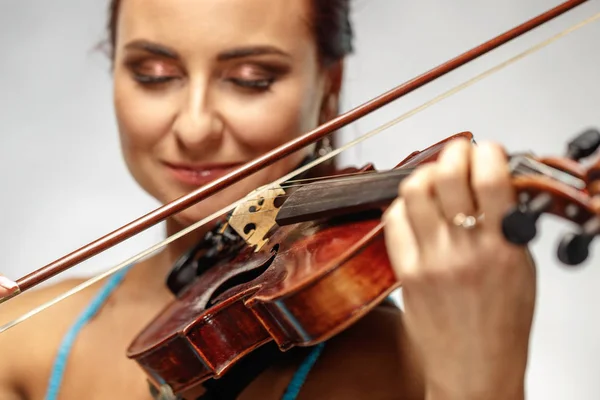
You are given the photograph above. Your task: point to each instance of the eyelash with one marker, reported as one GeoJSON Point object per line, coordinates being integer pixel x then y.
{"type": "Point", "coordinates": [258, 84]}
{"type": "Point", "coordinates": [151, 80]}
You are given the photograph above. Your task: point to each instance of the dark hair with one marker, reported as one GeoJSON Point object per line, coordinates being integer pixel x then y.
{"type": "Point", "coordinates": [331, 26]}
{"type": "Point", "coordinates": [330, 22]}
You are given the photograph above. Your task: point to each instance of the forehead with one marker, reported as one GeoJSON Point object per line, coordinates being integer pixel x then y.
{"type": "Point", "coordinates": [202, 24]}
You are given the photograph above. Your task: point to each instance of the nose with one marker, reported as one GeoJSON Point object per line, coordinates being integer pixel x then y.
{"type": "Point", "coordinates": [198, 125]}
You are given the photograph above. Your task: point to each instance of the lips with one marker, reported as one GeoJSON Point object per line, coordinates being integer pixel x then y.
{"type": "Point", "coordinates": [200, 175]}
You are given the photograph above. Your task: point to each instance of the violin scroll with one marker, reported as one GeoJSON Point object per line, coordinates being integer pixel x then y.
{"type": "Point", "coordinates": [563, 187]}
{"type": "Point", "coordinates": [584, 145]}
{"type": "Point", "coordinates": [574, 247]}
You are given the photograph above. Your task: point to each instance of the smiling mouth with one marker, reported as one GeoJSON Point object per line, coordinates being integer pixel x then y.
{"type": "Point", "coordinates": [200, 175]}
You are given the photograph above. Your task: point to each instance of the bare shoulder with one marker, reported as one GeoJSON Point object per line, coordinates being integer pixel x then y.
{"type": "Point", "coordinates": [38, 336]}
{"type": "Point", "coordinates": [376, 356]}
{"type": "Point", "coordinates": [30, 300]}
{"type": "Point", "coordinates": [372, 360]}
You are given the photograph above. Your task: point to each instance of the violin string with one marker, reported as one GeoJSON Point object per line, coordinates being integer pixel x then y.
{"type": "Point", "coordinates": [395, 173]}
{"type": "Point", "coordinates": [151, 250]}
{"type": "Point", "coordinates": [345, 177]}
{"type": "Point", "coordinates": [518, 169]}
{"type": "Point", "coordinates": [336, 179]}
{"type": "Point", "coordinates": [329, 179]}
{"type": "Point", "coordinates": [532, 168]}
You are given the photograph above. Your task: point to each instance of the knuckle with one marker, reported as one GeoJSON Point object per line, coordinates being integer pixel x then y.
{"type": "Point", "coordinates": [492, 182]}
{"type": "Point", "coordinates": [464, 271]}
{"type": "Point", "coordinates": [393, 218]}
{"type": "Point", "coordinates": [466, 274]}
{"type": "Point", "coordinates": [503, 254]}
{"type": "Point", "coordinates": [493, 148]}
{"type": "Point", "coordinates": [490, 152]}
{"type": "Point", "coordinates": [409, 187]}
{"type": "Point", "coordinates": [411, 275]}
{"type": "Point", "coordinates": [417, 183]}
{"type": "Point", "coordinates": [456, 148]}
{"type": "Point", "coordinates": [448, 177]}
{"type": "Point", "coordinates": [407, 268]}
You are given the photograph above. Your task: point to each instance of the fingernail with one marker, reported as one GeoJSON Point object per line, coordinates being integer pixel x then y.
{"type": "Point", "coordinates": [7, 283]}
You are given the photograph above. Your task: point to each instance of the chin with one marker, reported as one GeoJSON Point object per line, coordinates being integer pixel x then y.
{"type": "Point", "coordinates": [206, 208]}
{"type": "Point", "coordinates": [166, 190]}
{"type": "Point", "coordinates": [194, 215]}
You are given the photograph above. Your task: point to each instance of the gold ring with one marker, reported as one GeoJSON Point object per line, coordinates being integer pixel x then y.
{"type": "Point", "coordinates": [466, 221]}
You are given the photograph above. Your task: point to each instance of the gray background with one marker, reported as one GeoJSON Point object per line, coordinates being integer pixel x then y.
{"type": "Point", "coordinates": [64, 184]}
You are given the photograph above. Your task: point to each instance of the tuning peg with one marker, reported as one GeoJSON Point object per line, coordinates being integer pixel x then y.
{"type": "Point", "coordinates": [584, 144]}
{"type": "Point", "coordinates": [519, 223]}
{"type": "Point", "coordinates": [574, 247]}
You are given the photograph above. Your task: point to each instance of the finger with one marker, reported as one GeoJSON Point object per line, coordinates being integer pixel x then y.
{"type": "Point", "coordinates": [491, 182]}
{"type": "Point", "coordinates": [422, 210]}
{"type": "Point", "coordinates": [7, 286]}
{"type": "Point", "coordinates": [399, 239]}
{"type": "Point", "coordinates": [452, 181]}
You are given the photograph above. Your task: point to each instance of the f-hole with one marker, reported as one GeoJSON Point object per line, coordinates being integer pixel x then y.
{"type": "Point", "coordinates": [242, 277]}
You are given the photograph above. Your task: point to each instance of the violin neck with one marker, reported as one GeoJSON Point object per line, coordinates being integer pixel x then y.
{"type": "Point", "coordinates": [373, 190]}
{"type": "Point", "coordinates": [341, 196]}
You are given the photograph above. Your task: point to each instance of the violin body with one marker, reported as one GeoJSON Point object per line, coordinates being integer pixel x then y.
{"type": "Point", "coordinates": [319, 263]}
{"type": "Point", "coordinates": [309, 282]}
{"type": "Point", "coordinates": [312, 279]}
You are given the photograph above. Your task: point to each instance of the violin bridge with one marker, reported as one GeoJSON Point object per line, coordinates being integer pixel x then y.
{"type": "Point", "coordinates": [255, 217]}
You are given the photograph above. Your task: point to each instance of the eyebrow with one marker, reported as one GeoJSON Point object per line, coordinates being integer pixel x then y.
{"type": "Point", "coordinates": [153, 48]}
{"type": "Point", "coordinates": [250, 51]}
{"type": "Point", "coordinates": [241, 52]}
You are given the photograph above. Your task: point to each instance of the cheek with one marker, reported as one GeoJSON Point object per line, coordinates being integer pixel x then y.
{"type": "Point", "coordinates": [143, 120]}
{"type": "Point", "coordinates": [275, 118]}
{"type": "Point", "coordinates": [143, 123]}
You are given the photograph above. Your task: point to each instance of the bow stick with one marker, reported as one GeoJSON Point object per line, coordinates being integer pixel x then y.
{"type": "Point", "coordinates": [160, 214]}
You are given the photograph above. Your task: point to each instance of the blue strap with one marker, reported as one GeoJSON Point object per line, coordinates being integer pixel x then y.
{"type": "Point", "coordinates": [293, 389]}
{"type": "Point", "coordinates": [58, 369]}
{"type": "Point", "coordinates": [64, 350]}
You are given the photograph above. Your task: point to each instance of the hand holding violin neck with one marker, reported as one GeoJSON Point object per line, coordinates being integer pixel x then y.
{"type": "Point", "coordinates": [543, 185]}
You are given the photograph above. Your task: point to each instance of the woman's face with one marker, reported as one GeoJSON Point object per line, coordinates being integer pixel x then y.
{"type": "Point", "coordinates": [204, 86]}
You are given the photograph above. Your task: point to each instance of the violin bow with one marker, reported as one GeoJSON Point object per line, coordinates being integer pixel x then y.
{"type": "Point", "coordinates": [160, 214]}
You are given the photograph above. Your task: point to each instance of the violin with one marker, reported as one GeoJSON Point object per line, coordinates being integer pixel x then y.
{"type": "Point", "coordinates": [296, 262]}
{"type": "Point", "coordinates": [315, 264]}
